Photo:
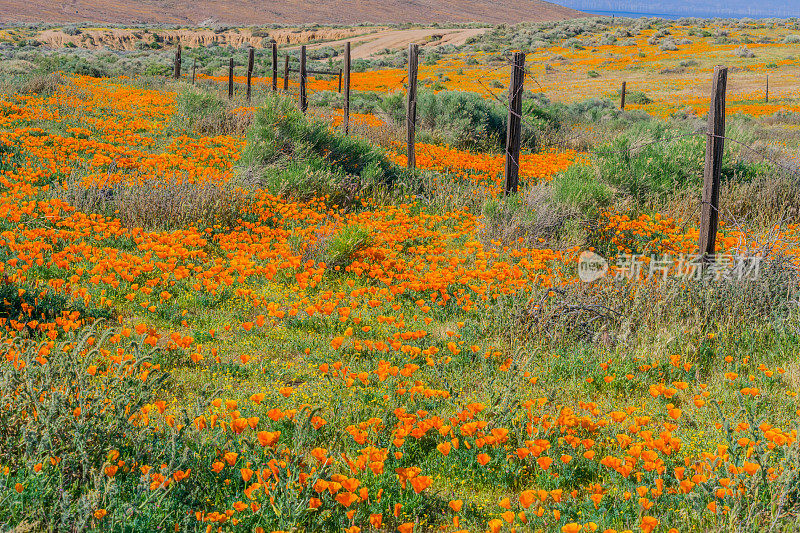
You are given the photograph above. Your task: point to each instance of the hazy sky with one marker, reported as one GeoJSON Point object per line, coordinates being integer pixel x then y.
{"type": "Point", "coordinates": [706, 8]}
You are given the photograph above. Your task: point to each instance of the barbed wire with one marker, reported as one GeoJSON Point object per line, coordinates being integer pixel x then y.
{"type": "Point", "coordinates": [504, 102]}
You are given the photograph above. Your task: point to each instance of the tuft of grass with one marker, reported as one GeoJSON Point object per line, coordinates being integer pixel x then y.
{"type": "Point", "coordinates": [345, 244]}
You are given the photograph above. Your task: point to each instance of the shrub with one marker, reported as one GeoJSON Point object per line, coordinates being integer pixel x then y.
{"type": "Point", "coordinates": [432, 59]}
{"type": "Point", "coordinates": [71, 64]}
{"type": "Point", "coordinates": [294, 154]}
{"type": "Point", "coordinates": [580, 188]}
{"type": "Point", "coordinates": [668, 45]}
{"type": "Point", "coordinates": [638, 97]}
{"type": "Point", "coordinates": [523, 219]}
{"type": "Point", "coordinates": [743, 51]}
{"type": "Point", "coordinates": [209, 113]}
{"type": "Point", "coordinates": [646, 164]}
{"type": "Point", "coordinates": [344, 245]}
{"type": "Point", "coordinates": [156, 69]}
{"type": "Point", "coordinates": [466, 119]}
{"type": "Point", "coordinates": [42, 84]}
{"type": "Point", "coordinates": [593, 74]}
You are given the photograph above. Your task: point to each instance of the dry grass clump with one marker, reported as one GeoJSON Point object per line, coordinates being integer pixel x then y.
{"type": "Point", "coordinates": [166, 204]}
{"type": "Point", "coordinates": [613, 311]}
{"type": "Point", "coordinates": [210, 113]}
{"type": "Point", "coordinates": [43, 83]}
{"type": "Point", "coordinates": [15, 78]}
{"type": "Point", "coordinates": [521, 220]}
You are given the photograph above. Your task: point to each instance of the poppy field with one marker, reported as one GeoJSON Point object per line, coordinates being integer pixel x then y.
{"type": "Point", "coordinates": [226, 316]}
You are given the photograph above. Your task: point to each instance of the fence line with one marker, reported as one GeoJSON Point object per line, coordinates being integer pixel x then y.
{"type": "Point", "coordinates": [715, 133]}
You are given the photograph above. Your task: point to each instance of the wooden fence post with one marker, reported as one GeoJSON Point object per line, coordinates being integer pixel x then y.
{"type": "Point", "coordinates": [286, 73]}
{"type": "Point", "coordinates": [274, 65]}
{"type": "Point", "coordinates": [177, 66]}
{"type": "Point", "coordinates": [709, 214]}
{"type": "Point", "coordinates": [411, 104]}
{"type": "Point", "coordinates": [194, 70]}
{"type": "Point", "coordinates": [303, 75]}
{"type": "Point", "coordinates": [766, 96]}
{"type": "Point", "coordinates": [622, 97]}
{"type": "Point", "coordinates": [230, 78]}
{"type": "Point", "coordinates": [514, 132]}
{"type": "Point", "coordinates": [346, 110]}
{"type": "Point", "coordinates": [250, 64]}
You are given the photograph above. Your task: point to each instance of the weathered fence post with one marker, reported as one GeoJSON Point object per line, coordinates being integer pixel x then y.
{"type": "Point", "coordinates": [274, 66]}
{"type": "Point", "coordinates": [622, 95]}
{"type": "Point", "coordinates": [411, 104]}
{"type": "Point", "coordinates": [766, 96]}
{"type": "Point", "coordinates": [303, 76]}
{"type": "Point", "coordinates": [230, 78]}
{"type": "Point", "coordinates": [177, 66]}
{"type": "Point", "coordinates": [286, 73]}
{"type": "Point", "coordinates": [194, 70]}
{"type": "Point", "coordinates": [709, 214]}
{"type": "Point", "coordinates": [346, 110]}
{"type": "Point", "coordinates": [514, 132]}
{"type": "Point", "coordinates": [250, 64]}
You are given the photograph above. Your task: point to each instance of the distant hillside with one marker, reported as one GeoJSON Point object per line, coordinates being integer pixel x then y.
{"type": "Point", "coordinates": [256, 12]}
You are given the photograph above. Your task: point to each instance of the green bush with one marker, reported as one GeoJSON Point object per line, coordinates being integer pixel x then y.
{"type": "Point", "coordinates": [638, 97]}
{"type": "Point", "coordinates": [342, 248]}
{"type": "Point", "coordinates": [580, 187]}
{"type": "Point", "coordinates": [466, 119]}
{"type": "Point", "coordinates": [647, 164]}
{"type": "Point", "coordinates": [72, 64]}
{"type": "Point", "coordinates": [297, 155]}
{"type": "Point", "coordinates": [650, 160]}
{"type": "Point", "coordinates": [208, 113]}
{"type": "Point", "coordinates": [156, 69]}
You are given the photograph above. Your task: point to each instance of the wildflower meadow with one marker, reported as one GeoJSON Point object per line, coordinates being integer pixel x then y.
{"type": "Point", "coordinates": [227, 315]}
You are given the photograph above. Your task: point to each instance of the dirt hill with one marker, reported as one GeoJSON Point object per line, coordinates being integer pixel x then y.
{"type": "Point", "coordinates": [366, 41]}
{"type": "Point", "coordinates": [257, 12]}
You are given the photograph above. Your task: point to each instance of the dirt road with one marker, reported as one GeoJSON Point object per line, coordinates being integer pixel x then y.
{"type": "Point", "coordinates": [365, 46]}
